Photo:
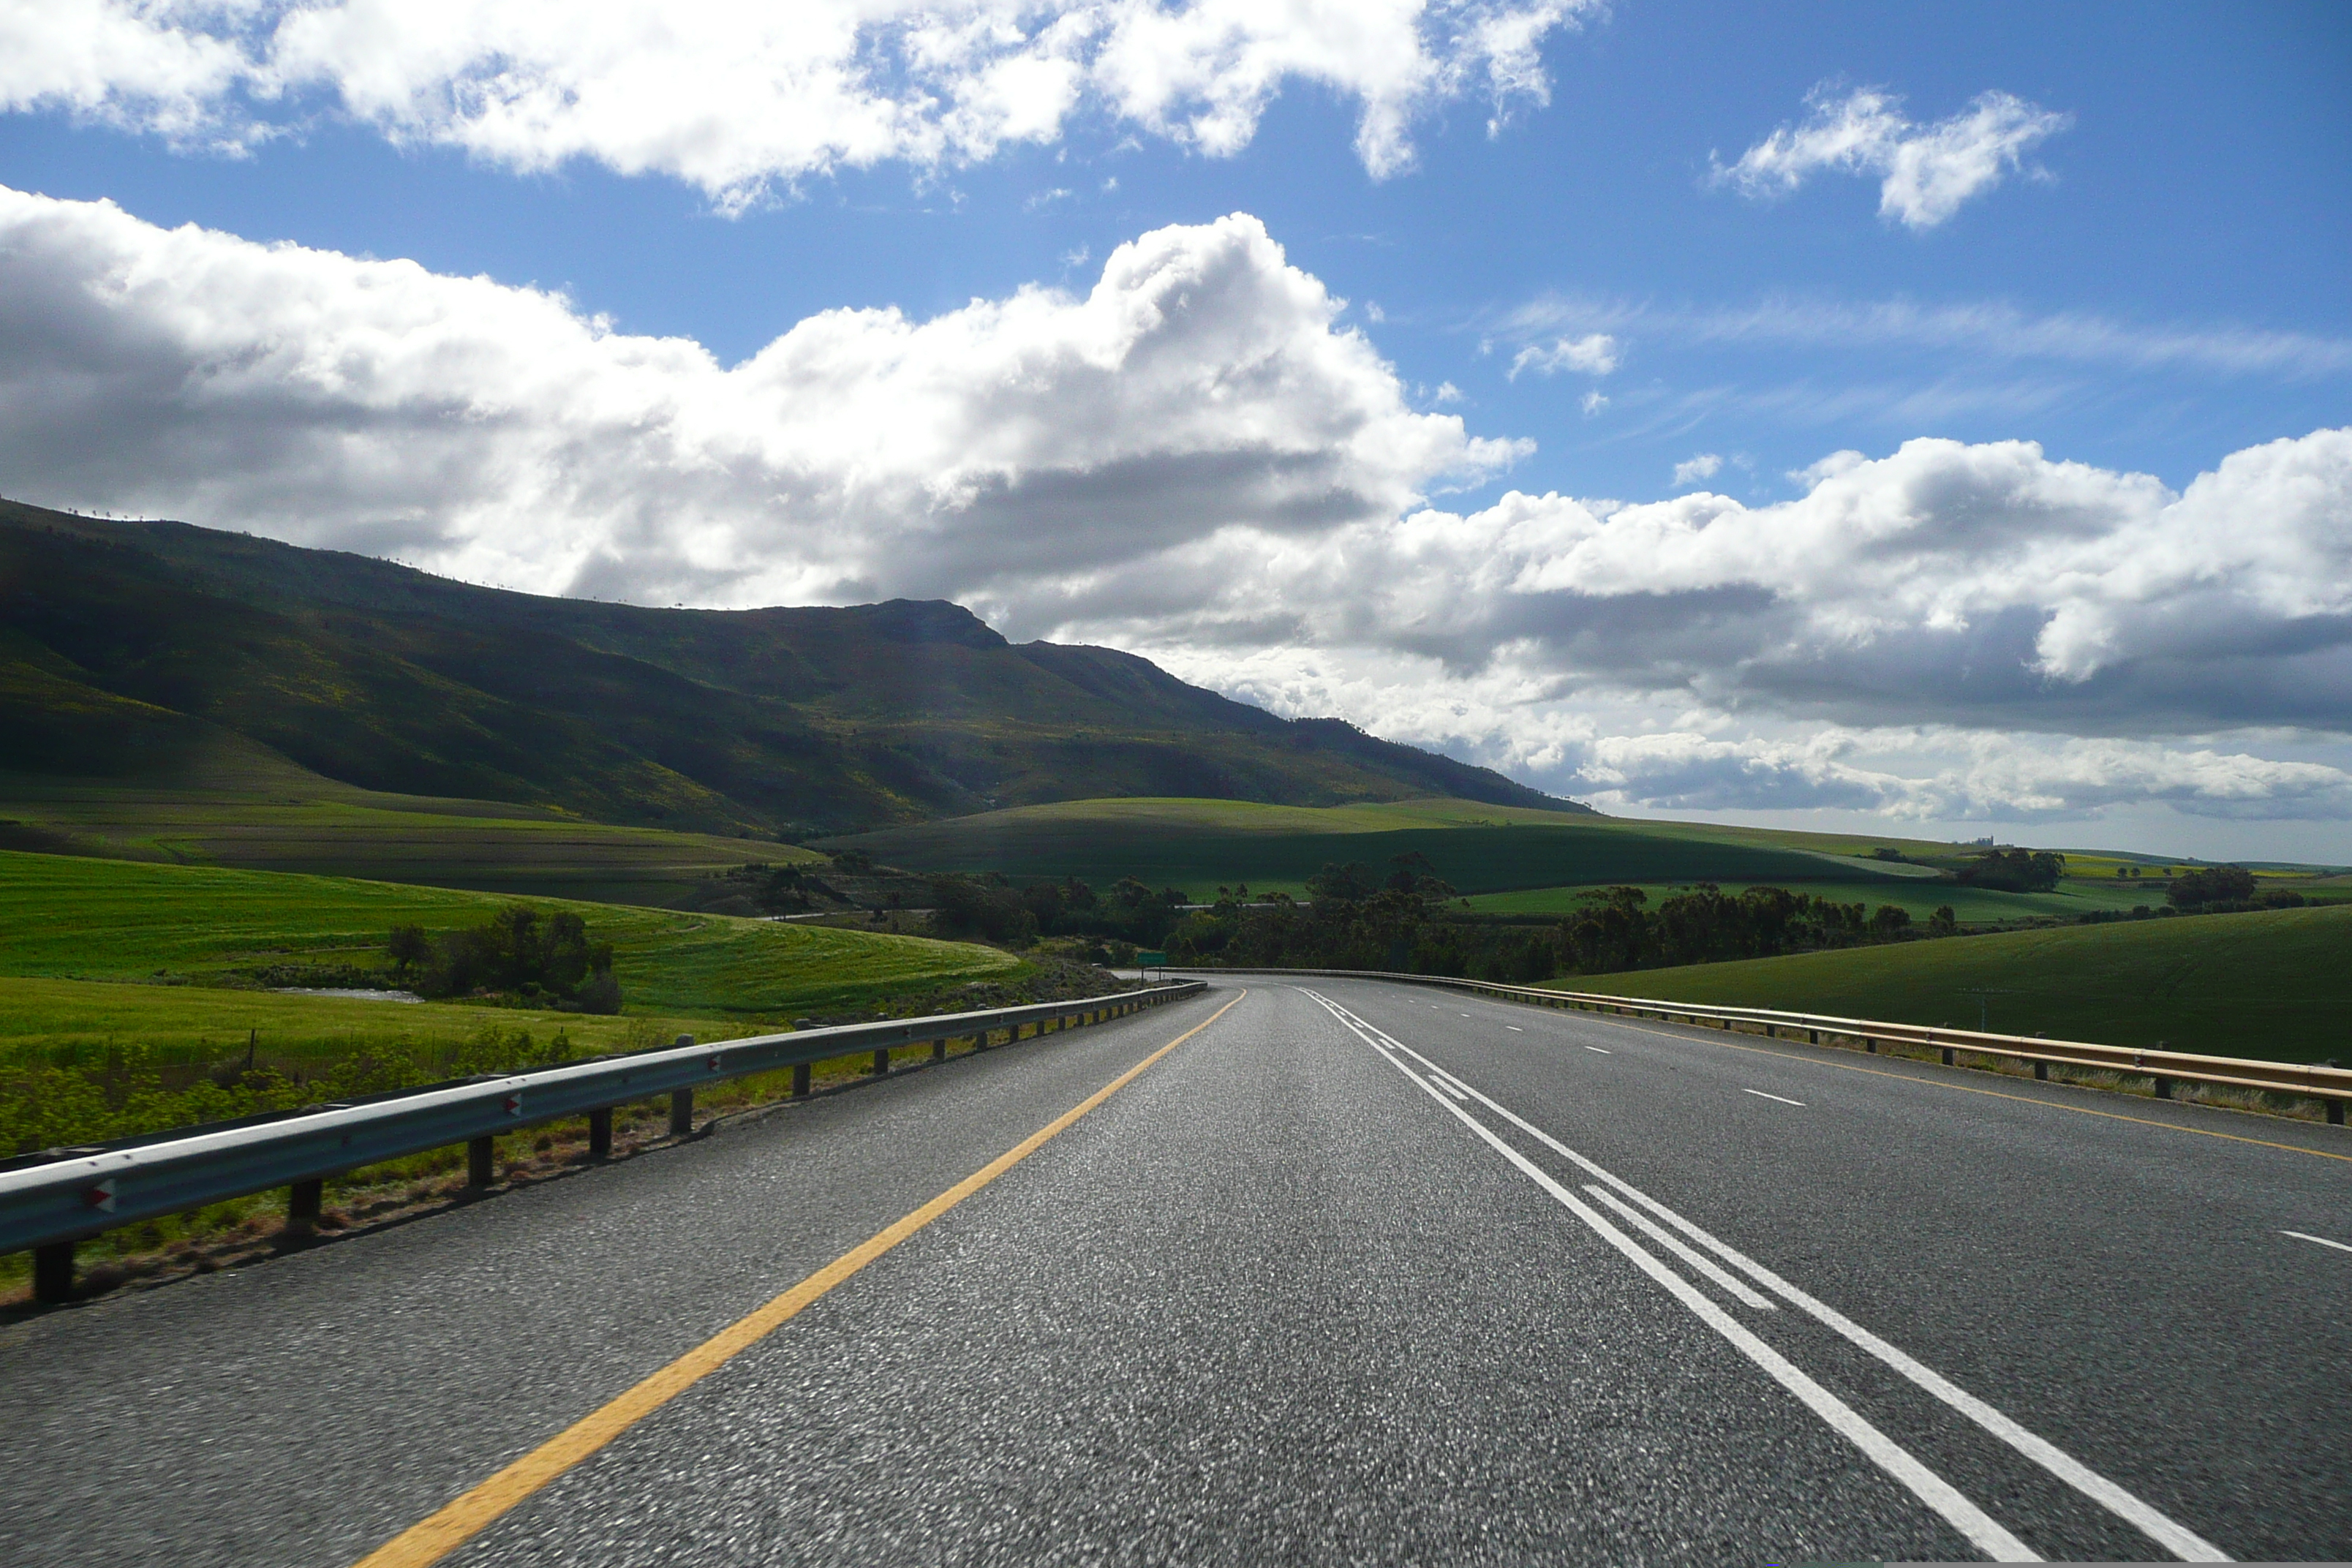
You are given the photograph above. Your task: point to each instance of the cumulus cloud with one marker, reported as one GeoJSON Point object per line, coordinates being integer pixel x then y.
{"type": "Point", "coordinates": [1691, 470]}
{"type": "Point", "coordinates": [500, 435]}
{"type": "Point", "coordinates": [1194, 457]}
{"type": "Point", "coordinates": [1970, 583]}
{"type": "Point", "coordinates": [732, 97]}
{"type": "Point", "coordinates": [1925, 172]}
{"type": "Point", "coordinates": [1595, 354]}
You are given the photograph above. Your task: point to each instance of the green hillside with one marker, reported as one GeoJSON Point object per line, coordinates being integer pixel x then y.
{"type": "Point", "coordinates": [1199, 845]}
{"type": "Point", "coordinates": [236, 805]}
{"type": "Point", "coordinates": [2275, 985]}
{"type": "Point", "coordinates": [136, 652]}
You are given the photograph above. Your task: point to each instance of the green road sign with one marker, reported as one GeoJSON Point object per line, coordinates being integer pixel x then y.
{"type": "Point", "coordinates": [1153, 960]}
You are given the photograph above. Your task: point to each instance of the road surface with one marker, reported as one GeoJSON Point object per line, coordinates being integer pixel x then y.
{"type": "Point", "coordinates": [1358, 1272]}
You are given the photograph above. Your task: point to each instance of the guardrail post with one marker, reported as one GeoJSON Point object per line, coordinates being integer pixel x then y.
{"type": "Point", "coordinates": [940, 1049]}
{"type": "Point", "coordinates": [599, 1134]}
{"type": "Point", "coordinates": [53, 1282]}
{"type": "Point", "coordinates": [303, 1202]}
{"type": "Point", "coordinates": [1870, 1045]}
{"type": "Point", "coordinates": [681, 1112]}
{"type": "Point", "coordinates": [2042, 1072]}
{"type": "Point", "coordinates": [479, 1152]}
{"type": "Point", "coordinates": [801, 1080]}
{"type": "Point", "coordinates": [2335, 1113]}
{"type": "Point", "coordinates": [1948, 1056]}
{"type": "Point", "coordinates": [2163, 1089]}
{"type": "Point", "coordinates": [881, 1060]}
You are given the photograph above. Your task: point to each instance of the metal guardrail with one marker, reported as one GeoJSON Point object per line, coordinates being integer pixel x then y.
{"type": "Point", "coordinates": [2332, 1087]}
{"type": "Point", "coordinates": [47, 1206]}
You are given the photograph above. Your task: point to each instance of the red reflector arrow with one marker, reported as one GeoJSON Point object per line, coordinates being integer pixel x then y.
{"type": "Point", "coordinates": [100, 1196]}
{"type": "Point", "coordinates": [514, 1105]}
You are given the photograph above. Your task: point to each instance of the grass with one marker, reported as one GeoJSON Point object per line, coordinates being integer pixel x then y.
{"type": "Point", "coordinates": [68, 916]}
{"type": "Point", "coordinates": [1920, 897]}
{"type": "Point", "coordinates": [1199, 845]}
{"type": "Point", "coordinates": [2275, 985]}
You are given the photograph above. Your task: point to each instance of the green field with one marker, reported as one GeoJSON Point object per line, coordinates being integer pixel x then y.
{"type": "Point", "coordinates": [243, 808]}
{"type": "Point", "coordinates": [1918, 896]}
{"type": "Point", "coordinates": [1199, 845]}
{"type": "Point", "coordinates": [2275, 985]}
{"type": "Point", "coordinates": [65, 917]}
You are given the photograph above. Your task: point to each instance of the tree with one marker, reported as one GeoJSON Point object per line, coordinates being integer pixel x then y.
{"type": "Point", "coordinates": [1336, 883]}
{"type": "Point", "coordinates": [409, 949]}
{"type": "Point", "coordinates": [2212, 885]}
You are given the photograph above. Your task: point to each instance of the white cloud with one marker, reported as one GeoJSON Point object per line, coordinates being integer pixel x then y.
{"type": "Point", "coordinates": [1595, 354]}
{"type": "Point", "coordinates": [1705, 465]}
{"type": "Point", "coordinates": [1592, 402]}
{"type": "Point", "coordinates": [1925, 172]}
{"type": "Point", "coordinates": [1194, 457]}
{"type": "Point", "coordinates": [731, 98]}
{"type": "Point", "coordinates": [494, 433]}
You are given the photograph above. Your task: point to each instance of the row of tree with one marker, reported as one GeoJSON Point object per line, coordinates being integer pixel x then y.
{"type": "Point", "coordinates": [1404, 922]}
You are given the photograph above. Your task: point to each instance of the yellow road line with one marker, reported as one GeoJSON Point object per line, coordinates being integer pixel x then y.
{"type": "Point", "coordinates": [1971, 1089]}
{"type": "Point", "coordinates": [431, 1539]}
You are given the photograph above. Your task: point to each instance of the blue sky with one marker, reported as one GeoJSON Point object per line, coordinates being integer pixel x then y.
{"type": "Point", "coordinates": [2153, 282]}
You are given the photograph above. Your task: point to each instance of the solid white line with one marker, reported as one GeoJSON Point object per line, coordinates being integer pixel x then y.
{"type": "Point", "coordinates": [1642, 1223]}
{"type": "Point", "coordinates": [2176, 1538]}
{"type": "Point", "coordinates": [2321, 1239]}
{"type": "Point", "coordinates": [1515, 1028]}
{"type": "Point", "coordinates": [1963, 1516]}
{"type": "Point", "coordinates": [1450, 1081]}
{"type": "Point", "coordinates": [1597, 1051]}
{"type": "Point", "coordinates": [1761, 1095]}
{"type": "Point", "coordinates": [1449, 1088]}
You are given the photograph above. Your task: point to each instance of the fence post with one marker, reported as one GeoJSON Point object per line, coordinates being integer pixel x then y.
{"type": "Point", "coordinates": [478, 1160]}
{"type": "Point", "coordinates": [303, 1201]}
{"type": "Point", "coordinates": [599, 1134]}
{"type": "Point", "coordinates": [681, 1112]}
{"type": "Point", "coordinates": [53, 1273]}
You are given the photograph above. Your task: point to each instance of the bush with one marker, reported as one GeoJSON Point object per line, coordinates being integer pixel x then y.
{"type": "Point", "coordinates": [516, 952]}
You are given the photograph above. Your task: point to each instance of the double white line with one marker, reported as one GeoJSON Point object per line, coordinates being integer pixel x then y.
{"type": "Point", "coordinates": [1642, 1213]}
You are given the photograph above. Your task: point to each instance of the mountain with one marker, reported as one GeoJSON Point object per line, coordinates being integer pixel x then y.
{"type": "Point", "coordinates": [129, 649]}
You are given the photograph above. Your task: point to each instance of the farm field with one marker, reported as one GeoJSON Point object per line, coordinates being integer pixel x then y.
{"type": "Point", "coordinates": [269, 815]}
{"type": "Point", "coordinates": [65, 917]}
{"type": "Point", "coordinates": [1919, 898]}
{"type": "Point", "coordinates": [2275, 985]}
{"type": "Point", "coordinates": [1199, 845]}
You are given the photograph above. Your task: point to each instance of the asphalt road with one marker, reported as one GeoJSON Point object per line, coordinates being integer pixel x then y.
{"type": "Point", "coordinates": [1358, 1273]}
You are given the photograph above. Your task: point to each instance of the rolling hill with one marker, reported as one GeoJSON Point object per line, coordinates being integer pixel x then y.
{"type": "Point", "coordinates": [1196, 845]}
{"type": "Point", "coordinates": [2271, 984]}
{"type": "Point", "coordinates": [146, 653]}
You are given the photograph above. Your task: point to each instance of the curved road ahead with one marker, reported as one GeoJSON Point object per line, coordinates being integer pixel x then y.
{"type": "Point", "coordinates": [1357, 1273]}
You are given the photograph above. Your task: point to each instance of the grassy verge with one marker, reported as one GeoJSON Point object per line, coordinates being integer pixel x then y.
{"type": "Point", "coordinates": [253, 1229]}
{"type": "Point", "coordinates": [2275, 985]}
